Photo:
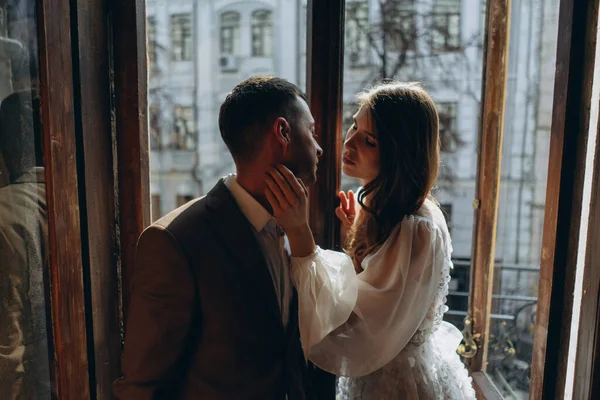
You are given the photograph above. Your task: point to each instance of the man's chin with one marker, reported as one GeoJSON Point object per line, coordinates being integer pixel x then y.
{"type": "Point", "coordinates": [309, 179]}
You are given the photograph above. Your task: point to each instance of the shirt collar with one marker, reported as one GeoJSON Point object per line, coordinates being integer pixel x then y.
{"type": "Point", "coordinates": [254, 212]}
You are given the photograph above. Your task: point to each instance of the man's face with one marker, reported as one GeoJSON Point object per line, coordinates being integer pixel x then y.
{"type": "Point", "coordinates": [304, 151]}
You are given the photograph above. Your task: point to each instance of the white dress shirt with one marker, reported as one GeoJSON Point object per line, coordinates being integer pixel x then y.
{"type": "Point", "coordinates": [272, 241]}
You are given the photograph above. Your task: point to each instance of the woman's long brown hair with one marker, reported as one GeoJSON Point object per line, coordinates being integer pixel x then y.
{"type": "Point", "coordinates": [407, 127]}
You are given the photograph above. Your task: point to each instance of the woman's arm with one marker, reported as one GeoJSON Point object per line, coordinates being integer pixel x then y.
{"type": "Point", "coordinates": [382, 307]}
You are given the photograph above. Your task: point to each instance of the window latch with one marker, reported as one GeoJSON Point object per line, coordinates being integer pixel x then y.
{"type": "Point", "coordinates": [468, 347]}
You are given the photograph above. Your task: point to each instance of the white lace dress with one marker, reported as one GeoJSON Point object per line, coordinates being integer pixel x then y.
{"type": "Point", "coordinates": [381, 331]}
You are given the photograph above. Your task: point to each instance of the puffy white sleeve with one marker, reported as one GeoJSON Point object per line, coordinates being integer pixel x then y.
{"type": "Point", "coordinates": [352, 325]}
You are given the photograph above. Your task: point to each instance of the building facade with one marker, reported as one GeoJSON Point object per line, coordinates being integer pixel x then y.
{"type": "Point", "coordinates": [200, 49]}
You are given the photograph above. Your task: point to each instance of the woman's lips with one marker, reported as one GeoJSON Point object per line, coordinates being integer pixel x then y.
{"type": "Point", "coordinates": [347, 160]}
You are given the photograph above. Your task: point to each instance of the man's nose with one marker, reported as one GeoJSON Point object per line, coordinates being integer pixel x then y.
{"type": "Point", "coordinates": [319, 151]}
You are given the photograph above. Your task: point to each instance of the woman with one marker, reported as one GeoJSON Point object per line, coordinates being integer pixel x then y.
{"type": "Point", "coordinates": [373, 315]}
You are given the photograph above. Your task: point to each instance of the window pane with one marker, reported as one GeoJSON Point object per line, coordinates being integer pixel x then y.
{"type": "Point", "coordinates": [401, 48]}
{"type": "Point", "coordinates": [454, 82]}
{"type": "Point", "coordinates": [187, 156]}
{"type": "Point", "coordinates": [527, 120]}
{"type": "Point", "coordinates": [24, 351]}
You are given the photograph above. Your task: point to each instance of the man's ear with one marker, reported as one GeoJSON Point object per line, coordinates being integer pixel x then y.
{"type": "Point", "coordinates": [283, 131]}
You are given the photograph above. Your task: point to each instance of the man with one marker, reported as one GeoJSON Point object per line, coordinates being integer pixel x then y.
{"type": "Point", "coordinates": [24, 360]}
{"type": "Point", "coordinates": [213, 312]}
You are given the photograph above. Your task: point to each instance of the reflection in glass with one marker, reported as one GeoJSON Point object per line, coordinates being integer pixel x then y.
{"type": "Point", "coordinates": [527, 119]}
{"type": "Point", "coordinates": [24, 353]}
{"type": "Point", "coordinates": [232, 41]}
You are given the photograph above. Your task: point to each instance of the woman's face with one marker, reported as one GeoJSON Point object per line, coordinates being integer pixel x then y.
{"type": "Point", "coordinates": [361, 148]}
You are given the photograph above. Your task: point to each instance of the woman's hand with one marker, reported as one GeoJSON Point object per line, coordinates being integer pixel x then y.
{"type": "Point", "coordinates": [289, 200]}
{"type": "Point", "coordinates": [346, 213]}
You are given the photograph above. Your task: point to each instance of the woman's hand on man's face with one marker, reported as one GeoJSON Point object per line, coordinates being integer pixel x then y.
{"type": "Point", "coordinates": [288, 197]}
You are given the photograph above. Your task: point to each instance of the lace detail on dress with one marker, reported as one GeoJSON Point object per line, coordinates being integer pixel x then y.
{"type": "Point", "coordinates": [435, 315]}
{"type": "Point", "coordinates": [428, 367]}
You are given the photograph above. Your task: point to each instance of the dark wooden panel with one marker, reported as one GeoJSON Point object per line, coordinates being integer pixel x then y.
{"type": "Point", "coordinates": [488, 174]}
{"type": "Point", "coordinates": [90, 33]}
{"type": "Point", "coordinates": [570, 118]}
{"type": "Point", "coordinates": [66, 270]}
{"type": "Point", "coordinates": [586, 385]}
{"type": "Point", "coordinates": [484, 388]}
{"type": "Point", "coordinates": [324, 81]}
{"type": "Point", "coordinates": [130, 88]}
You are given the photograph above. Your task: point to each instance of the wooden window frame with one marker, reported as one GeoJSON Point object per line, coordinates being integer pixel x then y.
{"type": "Point", "coordinates": [488, 182]}
{"type": "Point", "coordinates": [587, 369]}
{"type": "Point", "coordinates": [577, 27]}
{"type": "Point", "coordinates": [69, 344]}
{"type": "Point", "coordinates": [126, 149]}
{"type": "Point", "coordinates": [325, 46]}
{"type": "Point", "coordinates": [108, 180]}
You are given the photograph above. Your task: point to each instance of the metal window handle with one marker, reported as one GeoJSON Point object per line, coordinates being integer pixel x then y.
{"type": "Point", "coordinates": [468, 347]}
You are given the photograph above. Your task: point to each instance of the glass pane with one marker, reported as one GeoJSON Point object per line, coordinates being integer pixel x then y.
{"type": "Point", "coordinates": [24, 351]}
{"type": "Point", "coordinates": [452, 76]}
{"type": "Point", "coordinates": [527, 120]}
{"type": "Point", "coordinates": [187, 156]}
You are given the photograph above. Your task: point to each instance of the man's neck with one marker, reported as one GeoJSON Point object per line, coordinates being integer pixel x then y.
{"type": "Point", "coordinates": [254, 184]}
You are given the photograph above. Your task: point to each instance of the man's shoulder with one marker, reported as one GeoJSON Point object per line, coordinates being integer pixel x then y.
{"type": "Point", "coordinates": [185, 214]}
{"type": "Point", "coordinates": [192, 220]}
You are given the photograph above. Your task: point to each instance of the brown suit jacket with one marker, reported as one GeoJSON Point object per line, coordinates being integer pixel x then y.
{"type": "Point", "coordinates": [204, 322]}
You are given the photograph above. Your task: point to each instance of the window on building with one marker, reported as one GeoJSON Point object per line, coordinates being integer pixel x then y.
{"type": "Point", "coordinates": [445, 25]}
{"type": "Point", "coordinates": [262, 33]}
{"type": "Point", "coordinates": [448, 130]}
{"type": "Point", "coordinates": [154, 127]}
{"type": "Point", "coordinates": [230, 33]}
{"type": "Point", "coordinates": [181, 34]}
{"type": "Point", "coordinates": [399, 25]}
{"type": "Point", "coordinates": [184, 128]}
{"type": "Point", "coordinates": [151, 37]}
{"type": "Point", "coordinates": [357, 33]}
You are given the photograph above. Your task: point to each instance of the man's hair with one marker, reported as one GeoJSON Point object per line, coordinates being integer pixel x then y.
{"type": "Point", "coordinates": [251, 107]}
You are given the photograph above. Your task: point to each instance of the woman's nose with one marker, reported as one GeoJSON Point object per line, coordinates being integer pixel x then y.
{"type": "Point", "coordinates": [349, 142]}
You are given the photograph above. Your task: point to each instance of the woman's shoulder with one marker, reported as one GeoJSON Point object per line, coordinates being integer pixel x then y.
{"type": "Point", "coordinates": [431, 214]}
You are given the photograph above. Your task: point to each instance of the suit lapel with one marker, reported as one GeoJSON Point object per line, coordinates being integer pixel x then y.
{"type": "Point", "coordinates": [236, 233]}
